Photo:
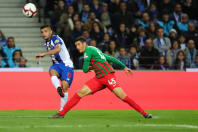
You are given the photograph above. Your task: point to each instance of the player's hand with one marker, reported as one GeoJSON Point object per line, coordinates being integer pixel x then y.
{"type": "Point", "coordinates": [128, 71]}
{"type": "Point", "coordinates": [40, 56]}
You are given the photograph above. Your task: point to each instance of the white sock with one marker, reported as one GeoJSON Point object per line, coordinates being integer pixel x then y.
{"type": "Point", "coordinates": [55, 81]}
{"type": "Point", "coordinates": [63, 101]}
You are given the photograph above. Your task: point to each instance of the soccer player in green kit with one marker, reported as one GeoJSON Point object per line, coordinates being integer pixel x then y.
{"type": "Point", "coordinates": [95, 60]}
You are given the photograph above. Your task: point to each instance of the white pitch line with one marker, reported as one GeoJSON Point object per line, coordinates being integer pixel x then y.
{"type": "Point", "coordinates": [102, 126]}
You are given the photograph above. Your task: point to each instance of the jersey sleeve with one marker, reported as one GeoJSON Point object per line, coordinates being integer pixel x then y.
{"type": "Point", "coordinates": [86, 63]}
{"type": "Point", "coordinates": [114, 60]}
{"type": "Point", "coordinates": [57, 40]}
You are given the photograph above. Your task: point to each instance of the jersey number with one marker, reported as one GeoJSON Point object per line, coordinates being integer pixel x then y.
{"type": "Point", "coordinates": [101, 55]}
{"type": "Point", "coordinates": [112, 81]}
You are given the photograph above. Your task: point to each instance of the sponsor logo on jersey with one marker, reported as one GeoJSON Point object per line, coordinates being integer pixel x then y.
{"type": "Point", "coordinates": [57, 41]}
{"type": "Point", "coordinates": [85, 55]}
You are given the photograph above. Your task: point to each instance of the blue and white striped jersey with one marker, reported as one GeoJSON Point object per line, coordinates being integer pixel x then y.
{"type": "Point", "coordinates": [61, 57]}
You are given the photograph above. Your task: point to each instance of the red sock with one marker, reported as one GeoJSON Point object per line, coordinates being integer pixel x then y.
{"type": "Point", "coordinates": [70, 104]}
{"type": "Point", "coordinates": [134, 105]}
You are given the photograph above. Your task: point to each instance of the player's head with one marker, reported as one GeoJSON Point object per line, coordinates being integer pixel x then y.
{"type": "Point", "coordinates": [81, 44]}
{"type": "Point", "coordinates": [46, 32]}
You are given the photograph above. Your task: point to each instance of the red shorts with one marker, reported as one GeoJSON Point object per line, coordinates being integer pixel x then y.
{"type": "Point", "coordinates": [96, 84]}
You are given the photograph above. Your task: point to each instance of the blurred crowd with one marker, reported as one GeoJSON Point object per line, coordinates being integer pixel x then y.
{"type": "Point", "coordinates": [143, 34]}
{"type": "Point", "coordinates": [11, 56]}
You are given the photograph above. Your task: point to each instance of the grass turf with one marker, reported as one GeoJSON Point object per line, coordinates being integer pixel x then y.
{"type": "Point", "coordinates": [99, 121]}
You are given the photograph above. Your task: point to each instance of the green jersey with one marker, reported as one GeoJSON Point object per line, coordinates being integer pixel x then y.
{"type": "Point", "coordinates": [99, 62]}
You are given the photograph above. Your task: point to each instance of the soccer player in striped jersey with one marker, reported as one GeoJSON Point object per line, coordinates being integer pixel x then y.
{"type": "Point", "coordinates": [95, 60]}
{"type": "Point", "coordinates": [62, 67]}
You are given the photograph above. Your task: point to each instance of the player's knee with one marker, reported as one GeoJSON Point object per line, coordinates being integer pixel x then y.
{"type": "Point", "coordinates": [65, 86]}
{"type": "Point", "coordinates": [83, 92]}
{"type": "Point", "coordinates": [53, 73]}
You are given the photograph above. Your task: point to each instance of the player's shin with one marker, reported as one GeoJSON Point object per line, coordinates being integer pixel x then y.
{"type": "Point", "coordinates": [70, 104]}
{"type": "Point", "coordinates": [134, 105]}
{"type": "Point", "coordinates": [63, 101]}
{"type": "Point", "coordinates": [55, 81]}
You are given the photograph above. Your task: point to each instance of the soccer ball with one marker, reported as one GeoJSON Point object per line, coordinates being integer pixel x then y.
{"type": "Point", "coordinates": [29, 10]}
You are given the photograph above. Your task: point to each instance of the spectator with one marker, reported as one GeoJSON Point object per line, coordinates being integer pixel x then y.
{"type": "Point", "coordinates": [180, 63]}
{"type": "Point", "coordinates": [123, 16]}
{"type": "Point", "coordinates": [189, 7]}
{"type": "Point", "coordinates": [93, 43]}
{"type": "Point", "coordinates": [85, 13]}
{"type": "Point", "coordinates": [183, 25]}
{"type": "Point", "coordinates": [105, 16]}
{"type": "Point", "coordinates": [121, 36]}
{"type": "Point", "coordinates": [59, 10]}
{"type": "Point", "coordinates": [195, 64]}
{"type": "Point", "coordinates": [114, 5]}
{"type": "Point", "coordinates": [2, 61]}
{"type": "Point", "coordinates": [191, 53]}
{"type": "Point", "coordinates": [165, 6]}
{"type": "Point", "coordinates": [151, 30]}
{"type": "Point", "coordinates": [171, 53]}
{"type": "Point", "coordinates": [92, 19]}
{"type": "Point", "coordinates": [97, 33]}
{"type": "Point", "coordinates": [105, 42]}
{"type": "Point", "coordinates": [2, 40]}
{"type": "Point", "coordinates": [148, 55]}
{"type": "Point", "coordinates": [78, 5]}
{"type": "Point", "coordinates": [177, 14]}
{"type": "Point", "coordinates": [124, 58]}
{"type": "Point", "coordinates": [112, 50]}
{"type": "Point", "coordinates": [172, 35]}
{"type": "Point", "coordinates": [141, 37]}
{"type": "Point", "coordinates": [77, 30]}
{"type": "Point", "coordinates": [22, 62]}
{"type": "Point", "coordinates": [96, 8]}
{"type": "Point", "coordinates": [192, 33]}
{"type": "Point", "coordinates": [86, 35]}
{"type": "Point", "coordinates": [144, 22]}
{"type": "Point", "coordinates": [161, 43]}
{"type": "Point", "coordinates": [16, 58]}
{"type": "Point", "coordinates": [153, 12]}
{"type": "Point", "coordinates": [132, 35]}
{"type": "Point", "coordinates": [134, 57]}
{"type": "Point", "coordinates": [8, 50]}
{"type": "Point", "coordinates": [182, 42]}
{"type": "Point", "coordinates": [161, 64]}
{"type": "Point", "coordinates": [166, 23]}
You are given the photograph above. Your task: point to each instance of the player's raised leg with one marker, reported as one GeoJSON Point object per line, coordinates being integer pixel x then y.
{"type": "Point", "coordinates": [65, 86]}
{"type": "Point", "coordinates": [55, 81]}
{"type": "Point", "coordinates": [121, 94]}
{"type": "Point", "coordinates": [73, 101]}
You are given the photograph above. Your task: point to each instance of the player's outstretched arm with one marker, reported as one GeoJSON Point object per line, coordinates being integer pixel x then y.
{"type": "Point", "coordinates": [116, 61]}
{"type": "Point", "coordinates": [128, 71]}
{"type": "Point", "coordinates": [51, 52]}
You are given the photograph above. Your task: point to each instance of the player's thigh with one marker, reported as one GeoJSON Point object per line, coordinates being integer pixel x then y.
{"type": "Point", "coordinates": [119, 92]}
{"type": "Point", "coordinates": [85, 90]}
{"type": "Point", "coordinates": [67, 75]}
{"type": "Point", "coordinates": [54, 70]}
{"type": "Point", "coordinates": [110, 81]}
{"type": "Point", "coordinates": [94, 85]}
{"type": "Point", "coordinates": [65, 85]}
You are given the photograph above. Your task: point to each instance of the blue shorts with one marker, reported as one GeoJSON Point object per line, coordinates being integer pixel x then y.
{"type": "Point", "coordinates": [66, 73]}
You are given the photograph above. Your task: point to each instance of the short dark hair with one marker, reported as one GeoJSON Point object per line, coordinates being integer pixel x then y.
{"type": "Point", "coordinates": [11, 37]}
{"type": "Point", "coordinates": [45, 26]}
{"type": "Point", "coordinates": [81, 39]}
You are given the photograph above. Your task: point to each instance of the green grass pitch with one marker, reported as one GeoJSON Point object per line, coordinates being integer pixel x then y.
{"type": "Point", "coordinates": [99, 121]}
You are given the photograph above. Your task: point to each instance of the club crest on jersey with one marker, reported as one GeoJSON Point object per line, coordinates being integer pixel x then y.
{"type": "Point", "coordinates": [85, 56]}
{"type": "Point", "coordinates": [57, 41]}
